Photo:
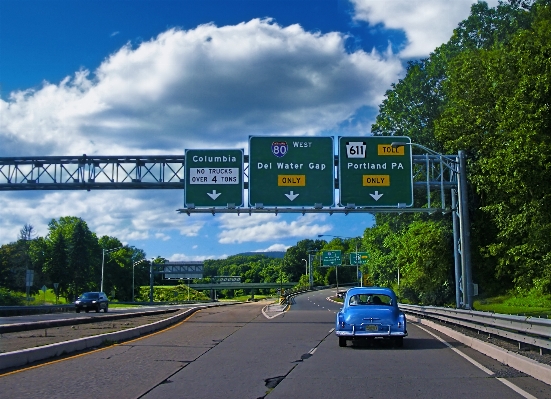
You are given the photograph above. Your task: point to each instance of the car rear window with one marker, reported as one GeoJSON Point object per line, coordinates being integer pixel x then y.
{"type": "Point", "coordinates": [90, 295]}
{"type": "Point", "coordinates": [370, 299]}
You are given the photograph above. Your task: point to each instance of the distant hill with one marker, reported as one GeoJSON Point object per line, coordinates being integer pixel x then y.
{"type": "Point", "coordinates": [272, 254]}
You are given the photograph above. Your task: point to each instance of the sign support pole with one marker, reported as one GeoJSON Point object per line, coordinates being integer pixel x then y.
{"type": "Point", "coordinates": [464, 231]}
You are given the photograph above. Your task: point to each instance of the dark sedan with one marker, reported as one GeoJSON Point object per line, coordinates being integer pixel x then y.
{"type": "Point", "coordinates": [92, 301]}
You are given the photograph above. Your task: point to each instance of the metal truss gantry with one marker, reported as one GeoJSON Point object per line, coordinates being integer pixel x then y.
{"type": "Point", "coordinates": [92, 172]}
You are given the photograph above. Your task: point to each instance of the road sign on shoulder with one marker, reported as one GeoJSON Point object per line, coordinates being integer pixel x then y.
{"type": "Point", "coordinates": [358, 258]}
{"type": "Point", "coordinates": [213, 178]}
{"type": "Point", "coordinates": [373, 173]}
{"type": "Point", "coordinates": [291, 171]}
{"type": "Point", "coordinates": [331, 258]}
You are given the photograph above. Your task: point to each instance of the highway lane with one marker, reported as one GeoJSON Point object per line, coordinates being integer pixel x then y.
{"type": "Point", "coordinates": [236, 352]}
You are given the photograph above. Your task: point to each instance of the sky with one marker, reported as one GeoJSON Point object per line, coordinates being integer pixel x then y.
{"type": "Point", "coordinates": [157, 77]}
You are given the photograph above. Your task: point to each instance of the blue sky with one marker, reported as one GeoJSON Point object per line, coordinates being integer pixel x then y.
{"type": "Point", "coordinates": [125, 77]}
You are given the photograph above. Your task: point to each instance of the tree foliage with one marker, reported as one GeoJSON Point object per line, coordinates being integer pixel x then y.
{"type": "Point", "coordinates": [487, 92]}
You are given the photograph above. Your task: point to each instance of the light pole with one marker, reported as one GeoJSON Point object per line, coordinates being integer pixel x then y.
{"type": "Point", "coordinates": [306, 265]}
{"type": "Point", "coordinates": [355, 255]}
{"type": "Point", "coordinates": [103, 264]}
{"type": "Point", "coordinates": [462, 245]}
{"type": "Point", "coordinates": [311, 268]}
{"type": "Point", "coordinates": [151, 280]}
{"type": "Point", "coordinates": [133, 265]}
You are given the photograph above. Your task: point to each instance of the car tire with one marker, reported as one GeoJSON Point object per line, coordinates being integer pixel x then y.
{"type": "Point", "coordinates": [98, 308]}
{"type": "Point", "coordinates": [399, 342]}
{"type": "Point", "coordinates": [342, 342]}
{"type": "Point", "coordinates": [86, 310]}
{"type": "Point", "coordinates": [77, 310]}
{"type": "Point", "coordinates": [106, 308]}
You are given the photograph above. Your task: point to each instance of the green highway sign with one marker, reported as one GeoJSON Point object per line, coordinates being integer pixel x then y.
{"type": "Point", "coordinates": [291, 171]}
{"type": "Point", "coordinates": [372, 173]}
{"type": "Point", "coordinates": [331, 258]}
{"type": "Point", "coordinates": [213, 178]}
{"type": "Point", "coordinates": [358, 258]}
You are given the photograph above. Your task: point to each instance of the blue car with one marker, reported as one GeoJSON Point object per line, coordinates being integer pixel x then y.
{"type": "Point", "coordinates": [371, 312]}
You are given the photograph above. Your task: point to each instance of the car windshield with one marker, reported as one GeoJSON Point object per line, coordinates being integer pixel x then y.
{"type": "Point", "coordinates": [89, 295]}
{"type": "Point", "coordinates": [370, 299]}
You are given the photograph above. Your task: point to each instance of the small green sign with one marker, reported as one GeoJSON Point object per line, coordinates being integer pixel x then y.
{"type": "Point", "coordinates": [213, 178]}
{"type": "Point", "coordinates": [358, 258]}
{"type": "Point", "coordinates": [291, 171]}
{"type": "Point", "coordinates": [373, 173]}
{"type": "Point", "coordinates": [331, 258]}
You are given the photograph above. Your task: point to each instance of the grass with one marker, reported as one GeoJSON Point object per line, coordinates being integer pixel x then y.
{"type": "Point", "coordinates": [530, 305]}
{"type": "Point", "coordinates": [51, 300]}
{"type": "Point", "coordinates": [244, 298]}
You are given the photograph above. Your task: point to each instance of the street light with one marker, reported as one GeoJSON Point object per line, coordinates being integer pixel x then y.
{"type": "Point", "coordinates": [103, 264]}
{"type": "Point", "coordinates": [311, 267]}
{"type": "Point", "coordinates": [463, 271]}
{"type": "Point", "coordinates": [133, 265]}
{"type": "Point", "coordinates": [356, 255]}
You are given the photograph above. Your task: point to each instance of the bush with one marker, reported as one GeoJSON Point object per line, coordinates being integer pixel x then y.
{"type": "Point", "coordinates": [11, 298]}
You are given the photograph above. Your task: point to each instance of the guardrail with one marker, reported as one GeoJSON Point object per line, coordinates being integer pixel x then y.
{"type": "Point", "coordinates": [524, 330]}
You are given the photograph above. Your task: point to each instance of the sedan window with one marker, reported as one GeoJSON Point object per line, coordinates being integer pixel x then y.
{"type": "Point", "coordinates": [90, 295]}
{"type": "Point", "coordinates": [370, 299]}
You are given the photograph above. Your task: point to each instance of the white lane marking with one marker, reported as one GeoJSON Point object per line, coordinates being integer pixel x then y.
{"type": "Point", "coordinates": [268, 316]}
{"type": "Point", "coordinates": [481, 367]}
{"type": "Point", "coordinates": [330, 331]}
{"type": "Point", "coordinates": [312, 351]}
{"type": "Point", "coordinates": [516, 389]}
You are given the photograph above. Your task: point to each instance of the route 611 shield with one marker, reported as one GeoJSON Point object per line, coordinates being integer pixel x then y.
{"type": "Point", "coordinates": [279, 148]}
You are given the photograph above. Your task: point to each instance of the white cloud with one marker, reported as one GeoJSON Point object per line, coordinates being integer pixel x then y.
{"type": "Point", "coordinates": [274, 248]}
{"type": "Point", "coordinates": [129, 216]}
{"type": "Point", "coordinates": [427, 23]}
{"type": "Point", "coordinates": [190, 89]}
{"type": "Point", "coordinates": [261, 228]}
{"type": "Point", "coordinates": [184, 257]}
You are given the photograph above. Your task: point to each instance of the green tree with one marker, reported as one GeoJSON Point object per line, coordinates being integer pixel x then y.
{"type": "Point", "coordinates": [294, 264]}
{"type": "Point", "coordinates": [501, 96]}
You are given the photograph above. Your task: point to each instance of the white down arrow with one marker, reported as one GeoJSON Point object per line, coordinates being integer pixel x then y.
{"type": "Point", "coordinates": [291, 195]}
{"type": "Point", "coordinates": [214, 194]}
{"type": "Point", "coordinates": [376, 196]}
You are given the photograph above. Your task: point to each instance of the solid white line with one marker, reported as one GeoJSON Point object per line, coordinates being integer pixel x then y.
{"type": "Point", "coordinates": [333, 329]}
{"type": "Point", "coordinates": [312, 351]}
{"type": "Point", "coordinates": [481, 367]}
{"type": "Point", "coordinates": [516, 389]}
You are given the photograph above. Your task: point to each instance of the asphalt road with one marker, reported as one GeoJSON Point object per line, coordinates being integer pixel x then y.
{"type": "Point", "coordinates": [239, 352]}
